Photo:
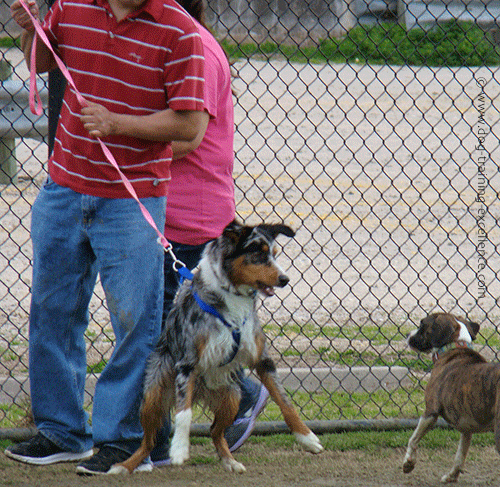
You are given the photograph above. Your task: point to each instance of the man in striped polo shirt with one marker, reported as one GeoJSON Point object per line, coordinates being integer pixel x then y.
{"type": "Point", "coordinates": [139, 65]}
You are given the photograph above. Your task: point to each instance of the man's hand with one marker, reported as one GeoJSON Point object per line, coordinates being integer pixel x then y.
{"type": "Point", "coordinates": [98, 120]}
{"type": "Point", "coordinates": [21, 16]}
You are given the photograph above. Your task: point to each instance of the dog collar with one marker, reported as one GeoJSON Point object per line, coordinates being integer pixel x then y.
{"type": "Point", "coordinates": [450, 346]}
{"type": "Point", "coordinates": [236, 334]}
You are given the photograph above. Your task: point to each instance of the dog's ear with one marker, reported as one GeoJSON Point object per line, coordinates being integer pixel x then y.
{"type": "Point", "coordinates": [277, 229]}
{"type": "Point", "coordinates": [473, 329]}
{"type": "Point", "coordinates": [233, 231]}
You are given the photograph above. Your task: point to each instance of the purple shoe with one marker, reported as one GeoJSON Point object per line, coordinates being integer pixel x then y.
{"type": "Point", "coordinates": [242, 428]}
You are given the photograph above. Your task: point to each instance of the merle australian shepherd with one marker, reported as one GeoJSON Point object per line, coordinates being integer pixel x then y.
{"type": "Point", "coordinates": [212, 332]}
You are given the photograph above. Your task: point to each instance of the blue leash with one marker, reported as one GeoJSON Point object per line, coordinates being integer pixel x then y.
{"type": "Point", "coordinates": [185, 273]}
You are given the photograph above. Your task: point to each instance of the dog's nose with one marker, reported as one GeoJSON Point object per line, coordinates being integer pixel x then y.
{"type": "Point", "coordinates": [283, 280]}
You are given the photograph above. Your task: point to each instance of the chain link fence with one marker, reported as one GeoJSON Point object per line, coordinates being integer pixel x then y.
{"type": "Point", "coordinates": [371, 127]}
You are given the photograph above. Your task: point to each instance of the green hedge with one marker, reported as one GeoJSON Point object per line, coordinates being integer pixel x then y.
{"type": "Point", "coordinates": [447, 44]}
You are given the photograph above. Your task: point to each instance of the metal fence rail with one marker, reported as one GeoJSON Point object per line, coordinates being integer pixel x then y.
{"type": "Point", "coordinates": [386, 170]}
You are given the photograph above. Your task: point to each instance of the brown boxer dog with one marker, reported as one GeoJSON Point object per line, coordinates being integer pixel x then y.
{"type": "Point", "coordinates": [463, 387]}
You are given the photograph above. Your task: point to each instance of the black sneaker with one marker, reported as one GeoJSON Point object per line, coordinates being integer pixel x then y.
{"type": "Point", "coordinates": [160, 455]}
{"type": "Point", "coordinates": [102, 462]}
{"type": "Point", "coordinates": [41, 451]}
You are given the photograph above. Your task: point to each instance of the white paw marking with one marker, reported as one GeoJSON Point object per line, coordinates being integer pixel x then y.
{"type": "Point", "coordinates": [231, 465]}
{"type": "Point", "coordinates": [179, 448]}
{"type": "Point", "coordinates": [118, 470]}
{"type": "Point", "coordinates": [309, 442]}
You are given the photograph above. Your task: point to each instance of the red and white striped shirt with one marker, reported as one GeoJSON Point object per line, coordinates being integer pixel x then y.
{"type": "Point", "coordinates": [150, 61]}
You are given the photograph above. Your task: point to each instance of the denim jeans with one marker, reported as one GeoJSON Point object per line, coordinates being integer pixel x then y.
{"type": "Point", "coordinates": [75, 238]}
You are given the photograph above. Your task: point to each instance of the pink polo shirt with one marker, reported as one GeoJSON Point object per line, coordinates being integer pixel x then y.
{"type": "Point", "coordinates": [147, 62]}
{"type": "Point", "coordinates": [200, 199]}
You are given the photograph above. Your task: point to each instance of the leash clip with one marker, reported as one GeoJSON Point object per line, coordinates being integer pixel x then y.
{"type": "Point", "coordinates": [177, 264]}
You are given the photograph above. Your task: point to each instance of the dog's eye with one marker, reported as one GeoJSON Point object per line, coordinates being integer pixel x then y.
{"type": "Point", "coordinates": [258, 253]}
{"type": "Point", "coordinates": [257, 248]}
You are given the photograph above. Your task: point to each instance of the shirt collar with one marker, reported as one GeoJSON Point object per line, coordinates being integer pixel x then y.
{"type": "Point", "coordinates": [154, 8]}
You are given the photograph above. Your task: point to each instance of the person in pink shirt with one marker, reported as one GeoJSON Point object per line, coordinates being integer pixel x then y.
{"type": "Point", "coordinates": [200, 205]}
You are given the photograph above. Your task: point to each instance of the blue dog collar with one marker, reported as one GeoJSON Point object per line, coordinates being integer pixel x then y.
{"type": "Point", "coordinates": [451, 346]}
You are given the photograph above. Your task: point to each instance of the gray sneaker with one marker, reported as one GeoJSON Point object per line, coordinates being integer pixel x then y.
{"type": "Point", "coordinates": [39, 450]}
{"type": "Point", "coordinates": [242, 428]}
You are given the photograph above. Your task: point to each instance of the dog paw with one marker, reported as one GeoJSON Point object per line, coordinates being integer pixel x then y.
{"type": "Point", "coordinates": [309, 442]}
{"type": "Point", "coordinates": [178, 457]}
{"type": "Point", "coordinates": [231, 465]}
{"type": "Point", "coordinates": [179, 449]}
{"type": "Point", "coordinates": [450, 477]}
{"type": "Point", "coordinates": [179, 452]}
{"type": "Point", "coordinates": [118, 470]}
{"type": "Point", "coordinates": [408, 466]}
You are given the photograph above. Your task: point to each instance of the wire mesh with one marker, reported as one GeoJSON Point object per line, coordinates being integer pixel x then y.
{"type": "Point", "coordinates": [371, 128]}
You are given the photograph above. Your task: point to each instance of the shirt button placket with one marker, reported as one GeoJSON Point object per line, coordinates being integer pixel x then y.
{"type": "Point", "coordinates": [112, 22]}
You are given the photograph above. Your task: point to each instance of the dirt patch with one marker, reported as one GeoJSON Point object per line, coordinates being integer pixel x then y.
{"type": "Point", "coordinates": [279, 465]}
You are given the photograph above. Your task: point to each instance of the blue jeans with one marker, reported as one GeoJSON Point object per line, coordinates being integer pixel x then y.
{"type": "Point", "coordinates": [191, 255]}
{"type": "Point", "coordinates": [75, 238]}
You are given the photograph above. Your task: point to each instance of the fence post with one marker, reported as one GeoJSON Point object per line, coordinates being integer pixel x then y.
{"type": "Point", "coordinates": [8, 163]}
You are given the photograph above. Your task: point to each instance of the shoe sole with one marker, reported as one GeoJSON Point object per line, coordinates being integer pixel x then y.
{"type": "Point", "coordinates": [144, 467]}
{"type": "Point", "coordinates": [50, 459]}
{"type": "Point", "coordinates": [162, 463]}
{"type": "Point", "coordinates": [259, 406]}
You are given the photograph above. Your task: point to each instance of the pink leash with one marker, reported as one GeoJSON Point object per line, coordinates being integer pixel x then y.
{"type": "Point", "coordinates": [36, 108]}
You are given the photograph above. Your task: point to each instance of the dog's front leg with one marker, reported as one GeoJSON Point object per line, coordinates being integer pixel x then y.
{"type": "Point", "coordinates": [463, 448]}
{"type": "Point", "coordinates": [266, 370]}
{"type": "Point", "coordinates": [425, 423]}
{"type": "Point", "coordinates": [184, 387]}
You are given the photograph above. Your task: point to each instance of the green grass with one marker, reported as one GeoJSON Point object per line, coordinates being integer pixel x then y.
{"type": "Point", "coordinates": [448, 44]}
{"type": "Point", "coordinates": [370, 358]}
{"type": "Point", "coordinates": [488, 337]}
{"type": "Point", "coordinates": [4, 444]}
{"type": "Point", "coordinates": [96, 368]}
{"type": "Point", "coordinates": [373, 441]}
{"type": "Point", "coordinates": [327, 406]}
{"type": "Point", "coordinates": [375, 334]}
{"type": "Point", "coordinates": [319, 406]}
{"type": "Point", "coordinates": [371, 333]}
{"type": "Point", "coordinates": [8, 42]}
{"type": "Point", "coordinates": [13, 415]}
